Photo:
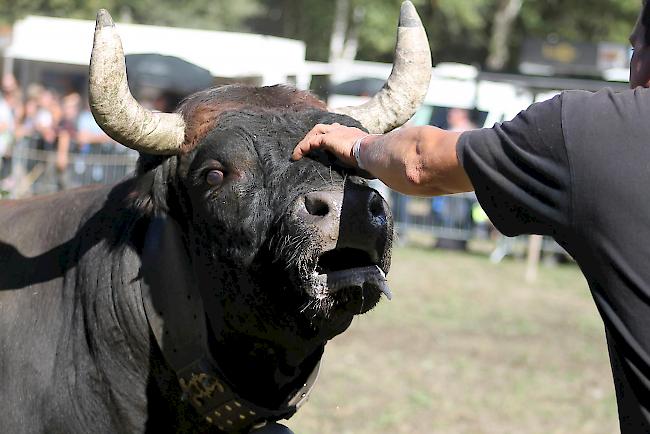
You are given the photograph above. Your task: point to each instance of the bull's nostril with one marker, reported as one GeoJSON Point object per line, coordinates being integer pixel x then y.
{"type": "Point", "coordinates": [316, 206]}
{"type": "Point", "coordinates": [376, 206]}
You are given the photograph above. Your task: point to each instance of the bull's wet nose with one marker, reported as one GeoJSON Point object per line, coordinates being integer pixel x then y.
{"type": "Point", "coordinates": [354, 218]}
{"type": "Point", "coordinates": [319, 203]}
{"type": "Point", "coordinates": [364, 222]}
{"type": "Point", "coordinates": [322, 210]}
{"type": "Point", "coordinates": [376, 206]}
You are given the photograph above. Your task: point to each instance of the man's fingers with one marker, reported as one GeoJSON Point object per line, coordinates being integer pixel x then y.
{"type": "Point", "coordinates": [322, 128]}
{"type": "Point", "coordinates": [306, 145]}
{"type": "Point", "coordinates": [312, 140]}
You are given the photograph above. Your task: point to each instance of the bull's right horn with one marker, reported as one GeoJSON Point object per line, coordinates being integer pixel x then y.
{"type": "Point", "coordinates": [408, 83]}
{"type": "Point", "coordinates": [113, 106]}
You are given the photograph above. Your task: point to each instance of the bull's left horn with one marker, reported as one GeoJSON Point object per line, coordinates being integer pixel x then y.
{"type": "Point", "coordinates": [113, 106]}
{"type": "Point", "coordinates": [408, 83]}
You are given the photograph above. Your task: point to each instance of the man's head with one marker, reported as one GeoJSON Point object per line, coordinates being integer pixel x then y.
{"type": "Point", "coordinates": [640, 41]}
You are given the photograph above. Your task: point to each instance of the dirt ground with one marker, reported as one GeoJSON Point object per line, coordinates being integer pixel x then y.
{"type": "Point", "coordinates": [467, 347]}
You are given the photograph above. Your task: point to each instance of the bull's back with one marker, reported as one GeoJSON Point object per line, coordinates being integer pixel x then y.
{"type": "Point", "coordinates": [39, 249]}
{"type": "Point", "coordinates": [37, 224]}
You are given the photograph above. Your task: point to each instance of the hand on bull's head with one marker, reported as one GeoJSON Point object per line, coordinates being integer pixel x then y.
{"type": "Point", "coordinates": [284, 247]}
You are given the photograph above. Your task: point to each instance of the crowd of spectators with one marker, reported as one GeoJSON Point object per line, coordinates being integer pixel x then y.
{"type": "Point", "coordinates": [43, 119]}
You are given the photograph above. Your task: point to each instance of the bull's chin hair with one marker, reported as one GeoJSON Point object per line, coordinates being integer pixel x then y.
{"type": "Point", "coordinates": [289, 244]}
{"type": "Point", "coordinates": [299, 254]}
{"type": "Point", "coordinates": [318, 309]}
{"type": "Point", "coordinates": [295, 249]}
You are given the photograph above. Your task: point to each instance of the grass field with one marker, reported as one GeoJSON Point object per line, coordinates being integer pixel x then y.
{"type": "Point", "coordinates": [467, 347]}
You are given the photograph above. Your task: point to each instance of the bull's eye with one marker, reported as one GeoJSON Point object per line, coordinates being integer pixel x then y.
{"type": "Point", "coordinates": [214, 178]}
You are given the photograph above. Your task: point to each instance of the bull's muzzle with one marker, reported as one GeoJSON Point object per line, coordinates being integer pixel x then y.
{"type": "Point", "coordinates": [353, 228]}
{"type": "Point", "coordinates": [353, 218]}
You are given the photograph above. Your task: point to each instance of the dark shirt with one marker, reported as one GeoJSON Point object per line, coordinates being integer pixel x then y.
{"type": "Point", "coordinates": [577, 168]}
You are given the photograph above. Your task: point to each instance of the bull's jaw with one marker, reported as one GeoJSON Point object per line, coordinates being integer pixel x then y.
{"type": "Point", "coordinates": [262, 346]}
{"type": "Point", "coordinates": [369, 277]}
{"type": "Point", "coordinates": [347, 292]}
{"type": "Point", "coordinates": [345, 282]}
{"type": "Point", "coordinates": [264, 371]}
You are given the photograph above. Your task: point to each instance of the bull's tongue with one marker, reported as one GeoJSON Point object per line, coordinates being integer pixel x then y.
{"type": "Point", "coordinates": [357, 277]}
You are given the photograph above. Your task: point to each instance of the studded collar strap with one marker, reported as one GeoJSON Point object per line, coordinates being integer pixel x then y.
{"type": "Point", "coordinates": [215, 400]}
{"type": "Point", "coordinates": [174, 310]}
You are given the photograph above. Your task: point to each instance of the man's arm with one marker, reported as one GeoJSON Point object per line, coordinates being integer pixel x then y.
{"type": "Point", "coordinates": [418, 161]}
{"type": "Point", "coordinates": [519, 169]}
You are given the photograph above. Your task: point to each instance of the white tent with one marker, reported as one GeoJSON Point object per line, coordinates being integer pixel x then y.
{"type": "Point", "coordinates": [224, 54]}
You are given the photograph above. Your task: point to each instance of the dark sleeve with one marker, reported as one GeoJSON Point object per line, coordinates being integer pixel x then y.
{"type": "Point", "coordinates": [520, 171]}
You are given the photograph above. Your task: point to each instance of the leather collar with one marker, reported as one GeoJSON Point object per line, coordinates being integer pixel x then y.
{"type": "Point", "coordinates": [175, 313]}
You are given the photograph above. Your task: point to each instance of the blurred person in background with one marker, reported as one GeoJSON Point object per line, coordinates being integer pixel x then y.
{"type": "Point", "coordinates": [455, 212]}
{"type": "Point", "coordinates": [92, 140]}
{"type": "Point", "coordinates": [26, 135]}
{"type": "Point", "coordinates": [7, 124]}
{"type": "Point", "coordinates": [26, 126]}
{"type": "Point", "coordinates": [13, 95]}
{"type": "Point", "coordinates": [89, 134]}
{"type": "Point", "coordinates": [458, 119]}
{"type": "Point", "coordinates": [46, 120]}
{"type": "Point", "coordinates": [575, 168]}
{"type": "Point", "coordinates": [66, 135]}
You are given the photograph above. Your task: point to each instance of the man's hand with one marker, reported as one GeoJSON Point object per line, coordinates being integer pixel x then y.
{"type": "Point", "coordinates": [336, 138]}
{"type": "Point", "coordinates": [412, 160]}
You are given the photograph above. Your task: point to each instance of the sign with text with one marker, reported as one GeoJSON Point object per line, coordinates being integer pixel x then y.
{"type": "Point", "coordinates": [557, 57]}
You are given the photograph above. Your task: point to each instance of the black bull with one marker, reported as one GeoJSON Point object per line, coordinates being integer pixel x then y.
{"type": "Point", "coordinates": [250, 229]}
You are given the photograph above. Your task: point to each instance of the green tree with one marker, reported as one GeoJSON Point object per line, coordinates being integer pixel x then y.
{"type": "Point", "coordinates": [469, 31]}
{"type": "Point", "coordinates": [307, 20]}
{"type": "Point", "coordinates": [594, 21]}
{"type": "Point", "coordinates": [459, 30]}
{"type": "Point", "coordinates": [212, 14]}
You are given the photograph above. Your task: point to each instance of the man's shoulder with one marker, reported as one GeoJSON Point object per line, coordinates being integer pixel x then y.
{"type": "Point", "coordinates": [605, 116]}
{"type": "Point", "coordinates": [578, 104]}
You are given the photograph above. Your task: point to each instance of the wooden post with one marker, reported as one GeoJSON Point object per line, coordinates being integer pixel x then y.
{"type": "Point", "coordinates": [534, 254]}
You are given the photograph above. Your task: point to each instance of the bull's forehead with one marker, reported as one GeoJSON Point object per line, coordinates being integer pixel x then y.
{"type": "Point", "coordinates": [264, 142]}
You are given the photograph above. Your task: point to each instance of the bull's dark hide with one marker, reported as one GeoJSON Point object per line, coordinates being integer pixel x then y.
{"type": "Point", "coordinates": [76, 351]}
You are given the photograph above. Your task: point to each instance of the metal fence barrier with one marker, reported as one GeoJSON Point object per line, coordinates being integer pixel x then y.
{"type": "Point", "coordinates": [447, 217]}
{"type": "Point", "coordinates": [32, 168]}
{"type": "Point", "coordinates": [453, 221]}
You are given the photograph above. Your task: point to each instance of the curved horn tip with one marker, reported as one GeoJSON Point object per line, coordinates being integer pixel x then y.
{"type": "Point", "coordinates": [408, 16]}
{"type": "Point", "coordinates": [103, 19]}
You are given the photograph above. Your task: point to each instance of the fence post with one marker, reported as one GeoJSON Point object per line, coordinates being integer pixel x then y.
{"type": "Point", "coordinates": [534, 254]}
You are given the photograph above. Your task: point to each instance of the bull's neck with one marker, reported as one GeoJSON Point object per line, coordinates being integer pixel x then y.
{"type": "Point", "coordinates": [263, 372]}
{"type": "Point", "coordinates": [110, 336]}
{"type": "Point", "coordinates": [261, 349]}
{"type": "Point", "coordinates": [197, 307]}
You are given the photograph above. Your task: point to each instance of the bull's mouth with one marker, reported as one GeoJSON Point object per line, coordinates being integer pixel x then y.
{"type": "Point", "coordinates": [351, 278]}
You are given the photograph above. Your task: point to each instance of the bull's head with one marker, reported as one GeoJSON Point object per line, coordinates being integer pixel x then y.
{"type": "Point", "coordinates": [285, 252]}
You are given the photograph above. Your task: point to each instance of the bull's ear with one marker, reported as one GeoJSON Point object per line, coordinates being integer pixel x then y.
{"type": "Point", "coordinates": [149, 193]}
{"type": "Point", "coordinates": [140, 198]}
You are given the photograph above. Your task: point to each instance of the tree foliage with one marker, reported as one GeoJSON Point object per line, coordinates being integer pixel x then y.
{"type": "Point", "coordinates": [596, 20]}
{"type": "Point", "coordinates": [459, 30]}
{"type": "Point", "coordinates": [204, 14]}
